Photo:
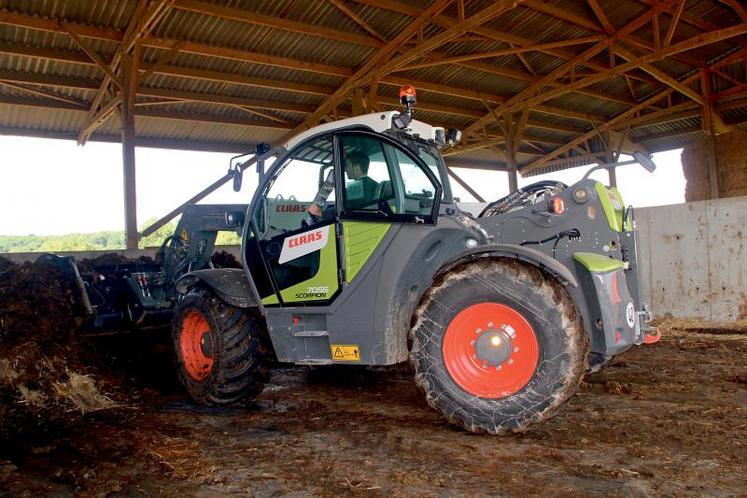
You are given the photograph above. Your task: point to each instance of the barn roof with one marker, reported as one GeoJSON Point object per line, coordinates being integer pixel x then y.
{"type": "Point", "coordinates": [558, 82]}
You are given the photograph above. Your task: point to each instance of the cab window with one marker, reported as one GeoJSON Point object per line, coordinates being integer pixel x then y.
{"type": "Point", "coordinates": [383, 180]}
{"type": "Point", "coordinates": [419, 191]}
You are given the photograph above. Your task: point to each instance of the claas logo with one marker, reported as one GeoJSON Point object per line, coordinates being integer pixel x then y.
{"type": "Point", "coordinates": [290, 208]}
{"type": "Point", "coordinates": [306, 238]}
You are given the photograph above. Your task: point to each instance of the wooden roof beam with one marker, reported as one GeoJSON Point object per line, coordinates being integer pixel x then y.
{"type": "Point", "coordinates": [599, 12]}
{"type": "Point", "coordinates": [571, 17]}
{"type": "Point", "coordinates": [472, 113]}
{"type": "Point", "coordinates": [143, 20]}
{"type": "Point", "coordinates": [608, 125]}
{"type": "Point", "coordinates": [539, 47]}
{"type": "Point", "coordinates": [342, 92]}
{"type": "Point", "coordinates": [488, 13]}
{"type": "Point", "coordinates": [481, 164]}
{"type": "Point", "coordinates": [684, 45]}
{"type": "Point", "coordinates": [95, 57]}
{"type": "Point", "coordinates": [370, 71]}
{"type": "Point", "coordinates": [588, 157]}
{"type": "Point", "coordinates": [673, 23]}
{"type": "Point", "coordinates": [77, 58]}
{"type": "Point", "coordinates": [246, 56]}
{"type": "Point", "coordinates": [357, 19]}
{"type": "Point", "coordinates": [737, 7]}
{"type": "Point", "coordinates": [151, 113]}
{"type": "Point", "coordinates": [239, 79]}
{"type": "Point", "coordinates": [669, 114]}
{"type": "Point", "coordinates": [444, 21]}
{"type": "Point", "coordinates": [499, 140]}
{"type": "Point", "coordinates": [38, 92]}
{"type": "Point", "coordinates": [564, 15]}
{"type": "Point", "coordinates": [523, 96]}
{"type": "Point", "coordinates": [247, 17]}
{"type": "Point", "coordinates": [662, 76]}
{"type": "Point", "coordinates": [692, 20]}
{"type": "Point", "coordinates": [465, 185]}
{"type": "Point", "coordinates": [615, 122]}
{"type": "Point", "coordinates": [652, 137]}
{"type": "Point", "coordinates": [697, 41]}
{"type": "Point", "coordinates": [86, 84]}
{"type": "Point", "coordinates": [86, 31]}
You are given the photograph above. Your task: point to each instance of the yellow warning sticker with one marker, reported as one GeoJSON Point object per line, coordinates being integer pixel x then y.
{"type": "Point", "coordinates": [345, 352]}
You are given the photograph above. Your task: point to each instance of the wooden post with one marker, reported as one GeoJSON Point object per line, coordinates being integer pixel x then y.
{"type": "Point", "coordinates": [129, 74]}
{"type": "Point", "coordinates": [613, 176]}
{"type": "Point", "coordinates": [611, 158]}
{"type": "Point", "coordinates": [711, 157]}
{"type": "Point", "coordinates": [508, 130]}
{"type": "Point", "coordinates": [359, 102]}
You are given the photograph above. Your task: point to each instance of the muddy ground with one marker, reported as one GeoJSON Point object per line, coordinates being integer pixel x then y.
{"type": "Point", "coordinates": [667, 419]}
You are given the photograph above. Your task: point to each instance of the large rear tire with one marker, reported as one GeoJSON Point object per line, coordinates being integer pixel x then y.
{"type": "Point", "coordinates": [498, 345]}
{"type": "Point", "coordinates": [221, 350]}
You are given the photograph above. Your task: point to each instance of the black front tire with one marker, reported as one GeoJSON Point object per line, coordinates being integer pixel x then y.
{"type": "Point", "coordinates": [543, 303]}
{"type": "Point", "coordinates": [233, 365]}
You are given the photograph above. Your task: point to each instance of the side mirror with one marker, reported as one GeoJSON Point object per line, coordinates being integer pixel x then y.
{"type": "Point", "coordinates": [453, 136]}
{"type": "Point", "coordinates": [238, 175]}
{"type": "Point", "coordinates": [645, 161]}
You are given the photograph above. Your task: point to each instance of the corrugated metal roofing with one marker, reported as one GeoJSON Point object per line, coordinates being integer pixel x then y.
{"type": "Point", "coordinates": [210, 86]}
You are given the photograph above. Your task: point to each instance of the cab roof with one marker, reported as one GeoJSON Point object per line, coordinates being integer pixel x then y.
{"type": "Point", "coordinates": [377, 122]}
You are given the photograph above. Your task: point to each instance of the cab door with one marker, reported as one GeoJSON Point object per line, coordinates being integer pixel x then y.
{"type": "Point", "coordinates": [406, 193]}
{"type": "Point", "coordinates": [292, 256]}
{"type": "Point", "coordinates": [338, 283]}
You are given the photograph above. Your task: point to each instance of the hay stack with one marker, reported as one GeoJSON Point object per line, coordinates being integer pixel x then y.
{"type": "Point", "coordinates": [731, 158]}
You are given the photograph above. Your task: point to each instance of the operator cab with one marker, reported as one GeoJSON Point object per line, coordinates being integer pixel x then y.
{"type": "Point", "coordinates": [374, 170]}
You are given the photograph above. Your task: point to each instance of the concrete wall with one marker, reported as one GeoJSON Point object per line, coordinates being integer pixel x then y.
{"type": "Point", "coordinates": [692, 257]}
{"type": "Point", "coordinates": [694, 260]}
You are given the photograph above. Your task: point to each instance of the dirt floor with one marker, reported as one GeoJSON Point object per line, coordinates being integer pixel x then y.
{"type": "Point", "coordinates": [667, 419]}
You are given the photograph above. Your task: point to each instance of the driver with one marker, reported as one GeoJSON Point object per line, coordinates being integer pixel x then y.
{"type": "Point", "coordinates": [361, 190]}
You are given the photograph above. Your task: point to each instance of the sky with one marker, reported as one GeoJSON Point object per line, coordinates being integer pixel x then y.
{"type": "Point", "coordinates": [50, 186]}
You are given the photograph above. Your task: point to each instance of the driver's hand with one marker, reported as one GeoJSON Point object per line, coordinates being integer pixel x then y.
{"type": "Point", "coordinates": [314, 210]}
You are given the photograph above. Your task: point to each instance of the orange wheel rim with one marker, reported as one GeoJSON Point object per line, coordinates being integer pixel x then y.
{"type": "Point", "coordinates": [196, 345]}
{"type": "Point", "coordinates": [490, 350]}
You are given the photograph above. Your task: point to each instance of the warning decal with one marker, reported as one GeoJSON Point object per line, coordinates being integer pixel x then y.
{"type": "Point", "coordinates": [345, 352]}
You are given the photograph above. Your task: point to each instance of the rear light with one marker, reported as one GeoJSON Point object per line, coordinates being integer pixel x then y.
{"type": "Point", "coordinates": [557, 206]}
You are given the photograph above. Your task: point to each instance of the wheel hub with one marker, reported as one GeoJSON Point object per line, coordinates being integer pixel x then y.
{"type": "Point", "coordinates": [490, 350]}
{"type": "Point", "coordinates": [206, 345]}
{"type": "Point", "coordinates": [493, 347]}
{"type": "Point", "coordinates": [196, 346]}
